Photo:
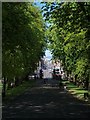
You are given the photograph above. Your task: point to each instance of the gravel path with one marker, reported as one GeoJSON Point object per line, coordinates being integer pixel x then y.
{"type": "Point", "coordinates": [46, 101]}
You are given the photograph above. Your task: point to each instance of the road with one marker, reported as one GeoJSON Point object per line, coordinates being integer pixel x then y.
{"type": "Point", "coordinates": [46, 101]}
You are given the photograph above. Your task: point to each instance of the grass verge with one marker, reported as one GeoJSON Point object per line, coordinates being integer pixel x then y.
{"type": "Point", "coordinates": [76, 91]}
{"type": "Point", "coordinates": [16, 91]}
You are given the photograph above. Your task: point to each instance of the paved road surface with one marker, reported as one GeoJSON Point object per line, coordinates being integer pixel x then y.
{"type": "Point", "coordinates": [46, 101]}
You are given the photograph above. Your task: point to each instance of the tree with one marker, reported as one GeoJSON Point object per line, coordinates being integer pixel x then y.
{"type": "Point", "coordinates": [69, 35]}
{"type": "Point", "coordinates": [23, 39]}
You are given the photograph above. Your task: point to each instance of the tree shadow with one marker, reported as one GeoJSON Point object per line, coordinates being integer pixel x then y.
{"type": "Point", "coordinates": [46, 102]}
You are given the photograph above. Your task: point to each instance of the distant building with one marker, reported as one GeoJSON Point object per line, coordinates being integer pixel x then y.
{"type": "Point", "coordinates": [56, 63]}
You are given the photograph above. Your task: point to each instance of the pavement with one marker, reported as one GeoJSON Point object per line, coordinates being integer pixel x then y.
{"type": "Point", "coordinates": [46, 101]}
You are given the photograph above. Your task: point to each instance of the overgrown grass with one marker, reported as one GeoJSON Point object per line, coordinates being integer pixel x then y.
{"type": "Point", "coordinates": [75, 90]}
{"type": "Point", "coordinates": [13, 92]}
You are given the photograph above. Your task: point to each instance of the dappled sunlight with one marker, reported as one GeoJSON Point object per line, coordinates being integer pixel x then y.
{"type": "Point", "coordinates": [46, 101]}
{"type": "Point", "coordinates": [46, 60]}
{"type": "Point", "coordinates": [51, 105]}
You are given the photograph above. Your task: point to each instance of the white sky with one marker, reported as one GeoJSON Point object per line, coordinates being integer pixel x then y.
{"type": "Point", "coordinates": [48, 54]}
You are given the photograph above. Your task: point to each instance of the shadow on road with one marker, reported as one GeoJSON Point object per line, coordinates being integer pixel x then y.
{"type": "Point", "coordinates": [46, 101]}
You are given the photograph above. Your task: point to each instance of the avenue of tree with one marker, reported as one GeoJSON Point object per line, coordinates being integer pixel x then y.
{"type": "Point", "coordinates": [69, 35]}
{"type": "Point", "coordinates": [25, 37]}
{"type": "Point", "coordinates": [23, 41]}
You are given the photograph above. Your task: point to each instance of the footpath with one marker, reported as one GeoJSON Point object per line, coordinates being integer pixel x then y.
{"type": "Point", "coordinates": [46, 100]}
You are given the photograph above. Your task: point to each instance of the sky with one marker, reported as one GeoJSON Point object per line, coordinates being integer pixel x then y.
{"type": "Point", "coordinates": [39, 4]}
{"type": "Point", "coordinates": [48, 54]}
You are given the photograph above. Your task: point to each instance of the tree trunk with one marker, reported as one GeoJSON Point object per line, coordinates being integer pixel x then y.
{"type": "Point", "coordinates": [75, 79]}
{"type": "Point", "coordinates": [86, 82]}
{"type": "Point", "coordinates": [4, 88]}
{"type": "Point", "coordinates": [16, 81]}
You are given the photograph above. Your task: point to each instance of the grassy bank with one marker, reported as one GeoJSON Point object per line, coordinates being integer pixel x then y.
{"type": "Point", "coordinates": [76, 91]}
{"type": "Point", "coordinates": [16, 91]}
